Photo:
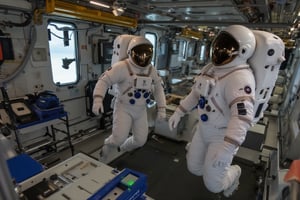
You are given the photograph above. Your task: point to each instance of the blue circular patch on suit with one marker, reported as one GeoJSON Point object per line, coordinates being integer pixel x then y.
{"type": "Point", "coordinates": [247, 89]}
{"type": "Point", "coordinates": [148, 101]}
{"type": "Point", "coordinates": [137, 95]}
{"type": "Point", "coordinates": [201, 102]}
{"type": "Point", "coordinates": [204, 117]}
{"type": "Point", "coordinates": [132, 101]}
{"type": "Point", "coordinates": [146, 95]}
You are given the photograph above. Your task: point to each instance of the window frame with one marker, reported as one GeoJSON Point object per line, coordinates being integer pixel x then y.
{"type": "Point", "coordinates": [76, 64]}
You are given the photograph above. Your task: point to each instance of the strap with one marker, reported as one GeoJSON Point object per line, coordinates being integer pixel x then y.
{"type": "Point", "coordinates": [98, 96]}
{"type": "Point", "coordinates": [149, 72]}
{"type": "Point", "coordinates": [231, 141]}
{"type": "Point", "coordinates": [128, 67]}
{"type": "Point", "coordinates": [242, 98]}
{"type": "Point", "coordinates": [206, 70]}
{"type": "Point", "coordinates": [247, 67]}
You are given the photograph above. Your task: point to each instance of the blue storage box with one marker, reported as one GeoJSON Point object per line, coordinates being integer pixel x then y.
{"type": "Point", "coordinates": [52, 113]}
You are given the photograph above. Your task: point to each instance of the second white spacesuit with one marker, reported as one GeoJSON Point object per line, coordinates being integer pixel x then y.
{"type": "Point", "coordinates": [135, 81]}
{"type": "Point", "coordinates": [224, 94]}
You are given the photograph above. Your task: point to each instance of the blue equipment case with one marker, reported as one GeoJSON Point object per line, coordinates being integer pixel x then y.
{"type": "Point", "coordinates": [131, 182]}
{"type": "Point", "coordinates": [48, 113]}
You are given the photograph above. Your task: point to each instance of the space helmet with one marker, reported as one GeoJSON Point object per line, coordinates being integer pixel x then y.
{"type": "Point", "coordinates": [233, 46]}
{"type": "Point", "coordinates": [140, 51]}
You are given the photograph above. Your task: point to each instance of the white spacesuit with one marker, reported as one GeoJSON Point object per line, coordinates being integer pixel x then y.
{"type": "Point", "coordinates": [135, 81]}
{"type": "Point", "coordinates": [224, 94]}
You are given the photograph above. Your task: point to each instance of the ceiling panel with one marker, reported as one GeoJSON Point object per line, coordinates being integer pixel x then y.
{"type": "Point", "coordinates": [267, 14]}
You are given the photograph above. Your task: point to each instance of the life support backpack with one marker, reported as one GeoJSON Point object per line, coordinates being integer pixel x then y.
{"type": "Point", "coordinates": [120, 47]}
{"type": "Point", "coordinates": [265, 63]}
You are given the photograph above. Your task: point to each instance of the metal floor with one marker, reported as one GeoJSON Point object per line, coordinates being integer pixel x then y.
{"type": "Point", "coordinates": [163, 161]}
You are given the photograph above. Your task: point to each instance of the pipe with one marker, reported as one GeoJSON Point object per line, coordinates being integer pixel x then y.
{"type": "Point", "coordinates": [31, 44]}
{"type": "Point", "coordinates": [216, 23]}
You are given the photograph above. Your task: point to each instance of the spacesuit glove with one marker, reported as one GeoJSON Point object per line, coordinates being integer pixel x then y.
{"type": "Point", "coordinates": [175, 118]}
{"type": "Point", "coordinates": [98, 106]}
{"type": "Point", "coordinates": [161, 114]}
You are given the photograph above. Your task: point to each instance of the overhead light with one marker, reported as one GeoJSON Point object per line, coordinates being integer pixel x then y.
{"type": "Point", "coordinates": [118, 8]}
{"type": "Point", "coordinates": [118, 12]}
{"type": "Point", "coordinates": [158, 17]}
{"type": "Point", "coordinates": [99, 4]}
{"type": "Point", "coordinates": [75, 11]}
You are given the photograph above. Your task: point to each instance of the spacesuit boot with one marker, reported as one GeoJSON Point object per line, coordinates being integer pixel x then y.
{"type": "Point", "coordinates": [104, 153]}
{"type": "Point", "coordinates": [187, 146]}
{"type": "Point", "coordinates": [102, 157]}
{"type": "Point", "coordinates": [235, 169]}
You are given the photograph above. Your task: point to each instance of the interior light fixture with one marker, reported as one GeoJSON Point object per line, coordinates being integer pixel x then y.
{"type": "Point", "coordinates": [99, 4]}
{"type": "Point", "coordinates": [118, 7]}
{"type": "Point", "coordinates": [118, 11]}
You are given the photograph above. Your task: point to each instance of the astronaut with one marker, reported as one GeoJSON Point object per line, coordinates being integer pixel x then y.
{"type": "Point", "coordinates": [135, 81]}
{"type": "Point", "coordinates": [224, 93]}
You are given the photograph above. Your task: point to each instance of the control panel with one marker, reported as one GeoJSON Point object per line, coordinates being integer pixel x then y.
{"type": "Point", "coordinates": [82, 177]}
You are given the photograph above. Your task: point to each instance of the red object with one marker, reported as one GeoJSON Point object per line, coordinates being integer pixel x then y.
{"type": "Point", "coordinates": [294, 172]}
{"type": "Point", "coordinates": [1, 53]}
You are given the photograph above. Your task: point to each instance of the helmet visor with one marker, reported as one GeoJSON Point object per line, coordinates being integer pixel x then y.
{"type": "Point", "coordinates": [142, 54]}
{"type": "Point", "coordinates": [224, 49]}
